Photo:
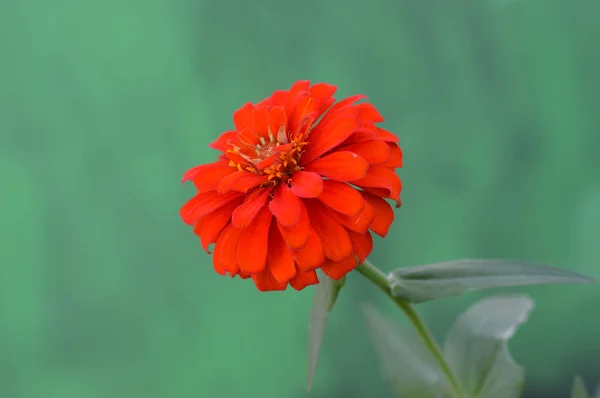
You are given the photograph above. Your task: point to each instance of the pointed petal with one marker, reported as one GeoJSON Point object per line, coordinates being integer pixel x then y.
{"type": "Point", "coordinates": [342, 198]}
{"type": "Point", "coordinates": [322, 91]}
{"type": "Point", "coordinates": [304, 279]}
{"type": "Point", "coordinates": [297, 235]}
{"type": "Point", "coordinates": [395, 159]}
{"type": "Point", "coordinates": [242, 118]}
{"type": "Point", "coordinates": [324, 137]}
{"type": "Point", "coordinates": [222, 143]}
{"type": "Point", "coordinates": [278, 122]}
{"type": "Point", "coordinates": [240, 181]}
{"type": "Point", "coordinates": [373, 151]}
{"type": "Point", "coordinates": [260, 120]}
{"type": "Point", "coordinates": [279, 97]}
{"type": "Point", "coordinates": [306, 108]}
{"type": "Point", "coordinates": [334, 238]}
{"type": "Point", "coordinates": [340, 166]}
{"type": "Point", "coordinates": [279, 258]}
{"type": "Point", "coordinates": [294, 95]}
{"type": "Point", "coordinates": [215, 222]}
{"type": "Point", "coordinates": [285, 206]}
{"type": "Point", "coordinates": [194, 171]}
{"type": "Point", "coordinates": [359, 223]}
{"type": "Point", "coordinates": [339, 107]}
{"type": "Point", "coordinates": [366, 133]}
{"type": "Point", "coordinates": [362, 244]}
{"type": "Point", "coordinates": [217, 261]}
{"type": "Point", "coordinates": [311, 255]}
{"type": "Point", "coordinates": [306, 184]}
{"type": "Point", "coordinates": [382, 177]}
{"type": "Point", "coordinates": [368, 113]}
{"type": "Point", "coordinates": [254, 242]}
{"type": "Point", "coordinates": [226, 247]}
{"type": "Point", "coordinates": [265, 282]}
{"type": "Point", "coordinates": [384, 215]}
{"type": "Point", "coordinates": [253, 203]}
{"type": "Point", "coordinates": [203, 204]}
{"type": "Point", "coordinates": [338, 269]}
{"type": "Point", "coordinates": [324, 94]}
{"type": "Point", "coordinates": [209, 179]}
{"type": "Point", "coordinates": [248, 136]}
{"type": "Point", "coordinates": [386, 136]}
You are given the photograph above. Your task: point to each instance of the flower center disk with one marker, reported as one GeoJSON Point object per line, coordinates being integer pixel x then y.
{"type": "Point", "coordinates": [274, 155]}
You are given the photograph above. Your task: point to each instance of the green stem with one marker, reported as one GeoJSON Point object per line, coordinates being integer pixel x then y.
{"type": "Point", "coordinates": [380, 279]}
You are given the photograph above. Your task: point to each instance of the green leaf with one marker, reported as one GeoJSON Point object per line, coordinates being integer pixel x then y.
{"type": "Point", "coordinates": [326, 292]}
{"type": "Point", "coordinates": [476, 347]}
{"type": "Point", "coordinates": [452, 278]}
{"type": "Point", "coordinates": [578, 390]}
{"type": "Point", "coordinates": [405, 361]}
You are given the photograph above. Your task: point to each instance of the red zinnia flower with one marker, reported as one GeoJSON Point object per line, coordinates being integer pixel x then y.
{"type": "Point", "coordinates": [299, 184]}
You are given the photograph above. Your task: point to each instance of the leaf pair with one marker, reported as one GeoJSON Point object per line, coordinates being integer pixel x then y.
{"type": "Point", "coordinates": [439, 280]}
{"type": "Point", "coordinates": [475, 348]}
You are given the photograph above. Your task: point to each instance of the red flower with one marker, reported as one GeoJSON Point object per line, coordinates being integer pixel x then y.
{"type": "Point", "coordinates": [299, 184]}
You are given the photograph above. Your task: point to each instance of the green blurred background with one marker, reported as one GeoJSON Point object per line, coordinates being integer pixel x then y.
{"type": "Point", "coordinates": [104, 292]}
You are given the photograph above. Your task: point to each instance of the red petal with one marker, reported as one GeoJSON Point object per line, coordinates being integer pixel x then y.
{"type": "Point", "coordinates": [337, 270]}
{"type": "Point", "coordinates": [341, 166]}
{"type": "Point", "coordinates": [217, 261]}
{"type": "Point", "coordinates": [198, 225]}
{"type": "Point", "coordinates": [306, 107]}
{"type": "Point", "coordinates": [265, 282]}
{"type": "Point", "coordinates": [294, 94]}
{"type": "Point", "coordinates": [285, 206]}
{"type": "Point", "coordinates": [334, 238]}
{"type": "Point", "coordinates": [279, 97]}
{"type": "Point", "coordinates": [382, 177]}
{"type": "Point", "coordinates": [208, 179]}
{"type": "Point", "coordinates": [325, 137]}
{"type": "Point", "coordinates": [367, 133]}
{"type": "Point", "coordinates": [311, 255]}
{"type": "Point", "coordinates": [253, 202]}
{"type": "Point", "coordinates": [254, 242]}
{"type": "Point", "coordinates": [386, 136]}
{"type": "Point", "coordinates": [342, 198]}
{"type": "Point", "coordinates": [306, 184]}
{"type": "Point", "coordinates": [362, 244]}
{"type": "Point", "coordinates": [226, 248]}
{"type": "Point", "coordinates": [367, 112]}
{"type": "Point", "coordinates": [303, 279]}
{"type": "Point", "coordinates": [384, 215]}
{"type": "Point", "coordinates": [240, 181]}
{"type": "Point", "coordinates": [297, 236]}
{"type": "Point", "coordinates": [278, 121]}
{"type": "Point", "coordinates": [242, 118]}
{"type": "Point", "coordinates": [203, 204]}
{"type": "Point", "coordinates": [372, 151]}
{"type": "Point", "coordinates": [215, 222]}
{"type": "Point", "coordinates": [395, 159]}
{"type": "Point", "coordinates": [279, 258]}
{"type": "Point", "coordinates": [260, 120]}
{"type": "Point", "coordinates": [337, 108]}
{"type": "Point", "coordinates": [248, 136]}
{"type": "Point", "coordinates": [359, 223]}
{"type": "Point", "coordinates": [194, 171]}
{"type": "Point", "coordinates": [222, 143]}
{"type": "Point", "coordinates": [322, 91]}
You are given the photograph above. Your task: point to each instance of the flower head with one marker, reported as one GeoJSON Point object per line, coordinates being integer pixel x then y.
{"type": "Point", "coordinates": [299, 185]}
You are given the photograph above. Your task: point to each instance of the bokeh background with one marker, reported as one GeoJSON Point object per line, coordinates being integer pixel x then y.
{"type": "Point", "coordinates": [104, 292]}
